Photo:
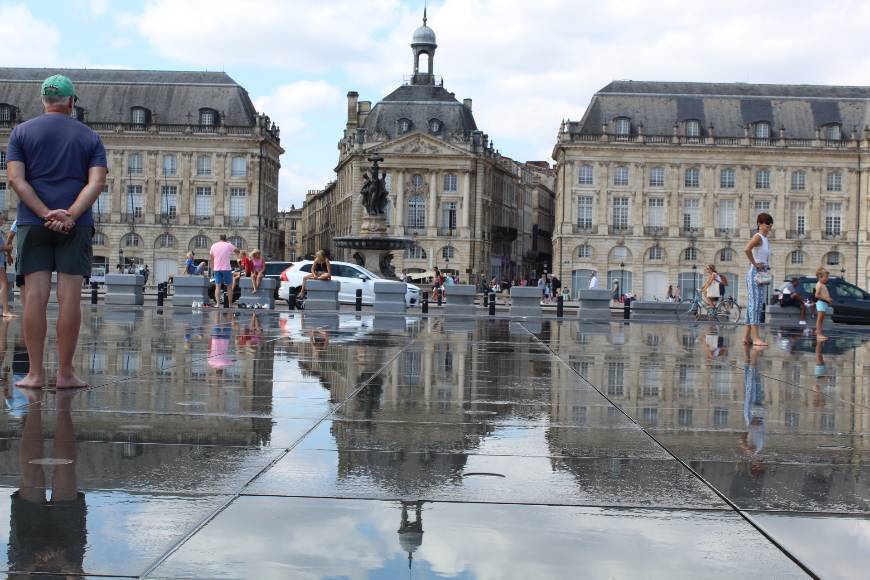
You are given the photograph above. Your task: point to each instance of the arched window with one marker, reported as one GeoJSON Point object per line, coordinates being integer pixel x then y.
{"type": "Point", "coordinates": [208, 117]}
{"type": "Point", "coordinates": [762, 130]}
{"type": "Point", "coordinates": [415, 252]}
{"type": "Point", "coordinates": [586, 174]}
{"type": "Point", "coordinates": [203, 165]}
{"type": "Point", "coordinates": [239, 167]}
{"type": "Point", "coordinates": [833, 132]}
{"type": "Point", "coordinates": [447, 252]}
{"type": "Point", "coordinates": [435, 126]}
{"type": "Point", "coordinates": [139, 115]}
{"type": "Point", "coordinates": [166, 240]}
{"type": "Point", "coordinates": [404, 126]}
{"type": "Point", "coordinates": [416, 212]}
{"type": "Point", "coordinates": [131, 241]}
{"type": "Point", "coordinates": [835, 181]}
{"type": "Point", "coordinates": [417, 181]}
{"type": "Point", "coordinates": [584, 251]}
{"type": "Point", "coordinates": [797, 257]}
{"type": "Point", "coordinates": [620, 175]}
{"type": "Point", "coordinates": [200, 242]}
{"type": "Point", "coordinates": [238, 241]}
{"type": "Point", "coordinates": [619, 254]}
{"type": "Point", "coordinates": [134, 164]}
{"type": "Point", "coordinates": [690, 254]}
{"type": "Point", "coordinates": [170, 165]}
{"type": "Point", "coordinates": [726, 255]}
{"type": "Point", "coordinates": [99, 239]}
{"type": "Point", "coordinates": [692, 177]}
{"type": "Point", "coordinates": [622, 126]}
{"type": "Point", "coordinates": [727, 178]}
{"type": "Point", "coordinates": [833, 259]}
{"type": "Point", "coordinates": [656, 253]}
{"type": "Point", "coordinates": [693, 128]}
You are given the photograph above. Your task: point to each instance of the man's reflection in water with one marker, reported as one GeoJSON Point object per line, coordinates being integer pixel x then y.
{"type": "Point", "coordinates": [219, 346]}
{"type": "Point", "coordinates": [48, 535]}
{"type": "Point", "coordinates": [754, 413]}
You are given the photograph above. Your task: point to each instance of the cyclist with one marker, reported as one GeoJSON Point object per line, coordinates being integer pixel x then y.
{"type": "Point", "coordinates": [711, 290]}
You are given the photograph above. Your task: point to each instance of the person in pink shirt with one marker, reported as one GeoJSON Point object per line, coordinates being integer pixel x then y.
{"type": "Point", "coordinates": [219, 256]}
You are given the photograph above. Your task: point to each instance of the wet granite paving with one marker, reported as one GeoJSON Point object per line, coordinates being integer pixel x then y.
{"type": "Point", "coordinates": [274, 445]}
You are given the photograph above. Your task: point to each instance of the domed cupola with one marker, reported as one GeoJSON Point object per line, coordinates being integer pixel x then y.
{"type": "Point", "coordinates": [422, 43]}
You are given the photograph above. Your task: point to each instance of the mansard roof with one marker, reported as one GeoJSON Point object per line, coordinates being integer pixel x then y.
{"type": "Point", "coordinates": [108, 95]}
{"type": "Point", "coordinates": [728, 107]}
{"type": "Point", "coordinates": [419, 104]}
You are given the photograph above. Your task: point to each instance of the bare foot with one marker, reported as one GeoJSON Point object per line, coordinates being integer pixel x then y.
{"type": "Point", "coordinates": [759, 342]}
{"type": "Point", "coordinates": [32, 381]}
{"type": "Point", "coordinates": [70, 382]}
{"type": "Point", "coordinates": [32, 395]}
{"type": "Point", "coordinates": [9, 315]}
{"type": "Point", "coordinates": [821, 337]}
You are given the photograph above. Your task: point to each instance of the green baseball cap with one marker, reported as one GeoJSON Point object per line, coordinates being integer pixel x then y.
{"type": "Point", "coordinates": [58, 86]}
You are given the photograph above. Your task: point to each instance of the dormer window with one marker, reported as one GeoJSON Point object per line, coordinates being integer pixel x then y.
{"type": "Point", "coordinates": [139, 116]}
{"type": "Point", "coordinates": [622, 125]}
{"type": "Point", "coordinates": [434, 126]}
{"type": "Point", "coordinates": [832, 132]}
{"type": "Point", "coordinates": [693, 128]}
{"type": "Point", "coordinates": [208, 117]}
{"type": "Point", "coordinates": [7, 113]}
{"type": "Point", "coordinates": [762, 130]}
{"type": "Point", "coordinates": [404, 126]}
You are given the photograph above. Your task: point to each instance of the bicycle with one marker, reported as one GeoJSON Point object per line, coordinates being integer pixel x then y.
{"type": "Point", "coordinates": [725, 310]}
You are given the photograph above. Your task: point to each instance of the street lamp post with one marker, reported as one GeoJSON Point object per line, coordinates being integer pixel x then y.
{"type": "Point", "coordinates": [121, 258]}
{"type": "Point", "coordinates": [622, 277]}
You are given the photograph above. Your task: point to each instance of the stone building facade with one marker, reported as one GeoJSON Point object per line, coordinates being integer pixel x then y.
{"type": "Point", "coordinates": [450, 190]}
{"type": "Point", "coordinates": [189, 159]}
{"type": "Point", "coordinates": [658, 179]}
{"type": "Point", "coordinates": [291, 242]}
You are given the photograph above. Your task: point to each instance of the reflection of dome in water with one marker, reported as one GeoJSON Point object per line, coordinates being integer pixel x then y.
{"type": "Point", "coordinates": [410, 541]}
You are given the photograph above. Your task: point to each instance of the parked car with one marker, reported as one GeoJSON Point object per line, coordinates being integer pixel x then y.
{"type": "Point", "coordinates": [851, 304]}
{"type": "Point", "coordinates": [273, 271]}
{"type": "Point", "coordinates": [236, 293]}
{"type": "Point", "coordinates": [351, 277]}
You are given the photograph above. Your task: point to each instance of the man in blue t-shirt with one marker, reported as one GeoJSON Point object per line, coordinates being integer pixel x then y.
{"type": "Point", "coordinates": [57, 167]}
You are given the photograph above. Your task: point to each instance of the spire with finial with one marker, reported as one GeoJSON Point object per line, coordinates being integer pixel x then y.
{"type": "Point", "coordinates": [424, 14]}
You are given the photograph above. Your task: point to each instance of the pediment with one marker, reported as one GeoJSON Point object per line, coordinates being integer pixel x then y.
{"type": "Point", "coordinates": [417, 144]}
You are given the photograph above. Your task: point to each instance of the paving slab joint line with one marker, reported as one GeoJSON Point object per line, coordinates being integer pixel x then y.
{"type": "Point", "coordinates": [208, 518]}
{"type": "Point", "coordinates": [700, 478]}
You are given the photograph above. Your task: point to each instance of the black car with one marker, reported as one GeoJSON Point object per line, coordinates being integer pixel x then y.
{"type": "Point", "coordinates": [236, 293]}
{"type": "Point", "coordinates": [851, 304]}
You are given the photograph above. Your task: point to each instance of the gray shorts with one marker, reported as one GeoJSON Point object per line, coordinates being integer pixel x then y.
{"type": "Point", "coordinates": [42, 250]}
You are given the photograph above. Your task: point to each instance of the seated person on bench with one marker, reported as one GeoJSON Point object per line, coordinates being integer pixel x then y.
{"type": "Point", "coordinates": [789, 296]}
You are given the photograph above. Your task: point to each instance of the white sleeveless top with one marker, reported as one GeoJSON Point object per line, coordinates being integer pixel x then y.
{"type": "Point", "coordinates": [761, 253]}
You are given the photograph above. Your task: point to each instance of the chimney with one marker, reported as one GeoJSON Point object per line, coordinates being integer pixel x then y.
{"type": "Point", "coordinates": [467, 104]}
{"type": "Point", "coordinates": [352, 97]}
{"type": "Point", "coordinates": [365, 107]}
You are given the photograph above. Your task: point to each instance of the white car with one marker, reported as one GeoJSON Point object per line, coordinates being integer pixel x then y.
{"type": "Point", "coordinates": [351, 278]}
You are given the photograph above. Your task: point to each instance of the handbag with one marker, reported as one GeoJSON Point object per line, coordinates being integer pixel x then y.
{"type": "Point", "coordinates": [763, 278]}
{"type": "Point", "coordinates": [713, 290]}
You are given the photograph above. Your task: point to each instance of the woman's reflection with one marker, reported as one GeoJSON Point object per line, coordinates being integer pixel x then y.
{"type": "Point", "coordinates": [48, 535]}
{"type": "Point", "coordinates": [752, 440]}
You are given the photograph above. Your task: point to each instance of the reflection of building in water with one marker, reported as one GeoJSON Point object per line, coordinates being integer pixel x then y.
{"type": "Point", "coordinates": [178, 395]}
{"type": "Point", "coordinates": [666, 377]}
{"type": "Point", "coordinates": [440, 396]}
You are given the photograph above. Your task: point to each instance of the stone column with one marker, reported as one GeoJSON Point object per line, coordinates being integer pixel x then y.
{"type": "Point", "coordinates": [466, 202]}
{"type": "Point", "coordinates": [399, 182]}
{"type": "Point", "coordinates": [432, 216]}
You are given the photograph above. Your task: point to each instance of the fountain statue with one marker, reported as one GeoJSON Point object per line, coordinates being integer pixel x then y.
{"type": "Point", "coordinates": [374, 247]}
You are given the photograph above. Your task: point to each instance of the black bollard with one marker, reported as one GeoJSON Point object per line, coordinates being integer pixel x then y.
{"type": "Point", "coordinates": [94, 287]}
{"type": "Point", "coordinates": [226, 297]}
{"type": "Point", "coordinates": [485, 299]}
{"type": "Point", "coordinates": [560, 306]}
{"type": "Point", "coordinates": [626, 309]}
{"type": "Point", "coordinates": [291, 299]}
{"type": "Point", "coordinates": [160, 295]}
{"type": "Point", "coordinates": [492, 304]}
{"type": "Point", "coordinates": [425, 303]}
{"type": "Point", "coordinates": [440, 294]}
{"type": "Point", "coordinates": [358, 303]}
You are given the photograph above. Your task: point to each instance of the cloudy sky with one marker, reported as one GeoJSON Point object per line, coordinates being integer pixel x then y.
{"type": "Point", "coordinates": [527, 64]}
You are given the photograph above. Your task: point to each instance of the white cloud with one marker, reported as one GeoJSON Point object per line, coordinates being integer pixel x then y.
{"type": "Point", "coordinates": [276, 33]}
{"type": "Point", "coordinates": [27, 40]}
{"type": "Point", "coordinates": [98, 7]}
{"type": "Point", "coordinates": [295, 180]}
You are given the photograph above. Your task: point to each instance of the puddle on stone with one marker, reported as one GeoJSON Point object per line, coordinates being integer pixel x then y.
{"type": "Point", "coordinates": [50, 461]}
